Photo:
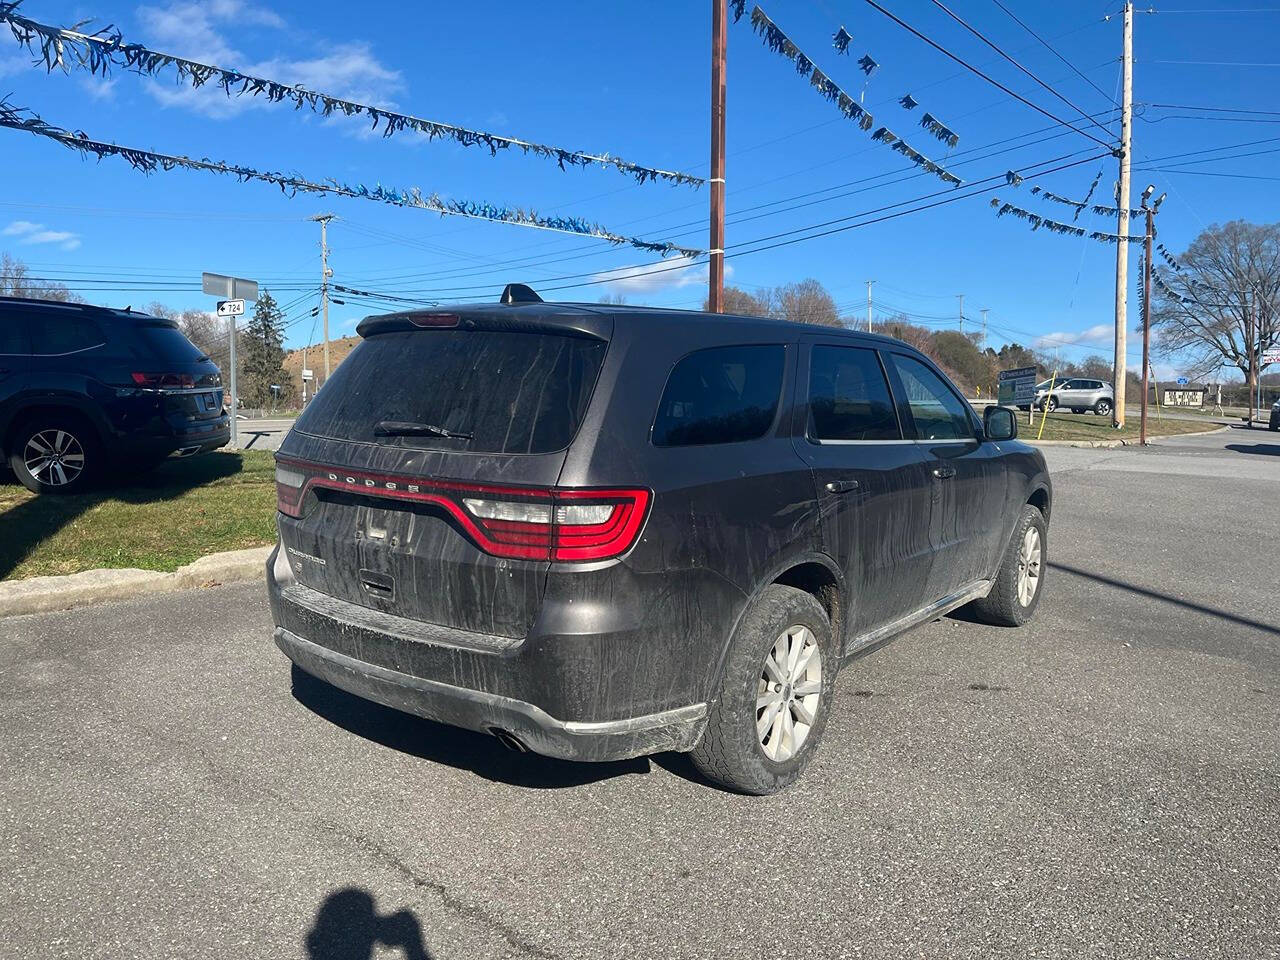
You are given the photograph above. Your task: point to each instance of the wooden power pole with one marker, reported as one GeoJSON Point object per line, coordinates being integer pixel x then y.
{"type": "Point", "coordinates": [1146, 314]}
{"type": "Point", "coordinates": [719, 44]}
{"type": "Point", "coordinates": [1122, 224]}
{"type": "Point", "coordinates": [325, 273]}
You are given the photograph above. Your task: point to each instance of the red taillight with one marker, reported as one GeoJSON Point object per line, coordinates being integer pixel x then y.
{"type": "Point", "coordinates": [165, 381]}
{"type": "Point", "coordinates": [519, 523]}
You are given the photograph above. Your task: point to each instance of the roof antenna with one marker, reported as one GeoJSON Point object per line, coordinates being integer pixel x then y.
{"type": "Point", "coordinates": [518, 293]}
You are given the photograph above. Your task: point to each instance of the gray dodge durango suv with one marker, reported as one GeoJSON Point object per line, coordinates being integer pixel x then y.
{"type": "Point", "coordinates": [598, 531]}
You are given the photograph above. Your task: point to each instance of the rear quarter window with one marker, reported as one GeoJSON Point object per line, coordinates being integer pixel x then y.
{"type": "Point", "coordinates": [163, 341]}
{"type": "Point", "coordinates": [720, 395]}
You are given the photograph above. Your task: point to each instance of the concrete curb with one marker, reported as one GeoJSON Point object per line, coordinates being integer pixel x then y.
{"type": "Point", "coordinates": [45, 594]}
{"type": "Point", "coordinates": [1109, 444]}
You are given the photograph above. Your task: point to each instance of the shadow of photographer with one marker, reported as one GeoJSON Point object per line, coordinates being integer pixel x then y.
{"type": "Point", "coordinates": [348, 927]}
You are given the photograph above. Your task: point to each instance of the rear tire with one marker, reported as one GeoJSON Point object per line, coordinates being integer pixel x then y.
{"type": "Point", "coordinates": [55, 453]}
{"type": "Point", "coordinates": [1102, 408]}
{"type": "Point", "coordinates": [774, 697]}
{"type": "Point", "coordinates": [1020, 580]}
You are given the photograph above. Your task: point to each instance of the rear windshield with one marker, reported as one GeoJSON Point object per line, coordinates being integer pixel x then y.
{"type": "Point", "coordinates": [511, 392]}
{"type": "Point", "coordinates": [164, 342]}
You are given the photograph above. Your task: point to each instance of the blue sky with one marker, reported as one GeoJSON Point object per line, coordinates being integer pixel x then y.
{"type": "Point", "coordinates": [632, 80]}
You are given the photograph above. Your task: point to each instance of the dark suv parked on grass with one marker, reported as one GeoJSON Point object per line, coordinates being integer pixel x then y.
{"type": "Point", "coordinates": [599, 532]}
{"type": "Point", "coordinates": [84, 389]}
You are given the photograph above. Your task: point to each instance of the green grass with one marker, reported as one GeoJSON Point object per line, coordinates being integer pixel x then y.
{"type": "Point", "coordinates": [1086, 426]}
{"type": "Point", "coordinates": [161, 520]}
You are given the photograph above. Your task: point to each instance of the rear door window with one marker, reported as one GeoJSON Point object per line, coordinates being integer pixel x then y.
{"type": "Point", "coordinates": [720, 395]}
{"type": "Point", "coordinates": [510, 391]}
{"type": "Point", "coordinates": [849, 397]}
{"type": "Point", "coordinates": [938, 411]}
{"type": "Point", "coordinates": [55, 334]}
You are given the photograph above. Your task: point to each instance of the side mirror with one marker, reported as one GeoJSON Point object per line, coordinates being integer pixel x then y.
{"type": "Point", "coordinates": [999, 423]}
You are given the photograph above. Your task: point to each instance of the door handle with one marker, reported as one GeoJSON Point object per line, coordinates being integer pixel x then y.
{"type": "Point", "coordinates": [842, 486]}
{"type": "Point", "coordinates": [944, 473]}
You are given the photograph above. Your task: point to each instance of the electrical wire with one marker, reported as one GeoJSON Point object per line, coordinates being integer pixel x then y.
{"type": "Point", "coordinates": [1048, 46]}
{"type": "Point", "coordinates": [981, 36]}
{"type": "Point", "coordinates": [964, 63]}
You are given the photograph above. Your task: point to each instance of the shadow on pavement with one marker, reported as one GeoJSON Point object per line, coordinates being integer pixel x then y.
{"type": "Point", "coordinates": [1261, 449]}
{"type": "Point", "coordinates": [33, 521]}
{"type": "Point", "coordinates": [1166, 598]}
{"type": "Point", "coordinates": [349, 927]}
{"type": "Point", "coordinates": [451, 746]}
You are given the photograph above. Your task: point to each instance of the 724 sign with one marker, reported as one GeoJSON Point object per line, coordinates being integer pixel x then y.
{"type": "Point", "coordinates": [230, 308]}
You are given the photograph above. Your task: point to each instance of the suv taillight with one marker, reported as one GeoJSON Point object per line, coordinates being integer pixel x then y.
{"type": "Point", "coordinates": [523, 523]}
{"type": "Point", "coordinates": [165, 381]}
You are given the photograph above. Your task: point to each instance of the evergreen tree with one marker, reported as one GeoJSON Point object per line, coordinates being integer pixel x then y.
{"type": "Point", "coordinates": [263, 363]}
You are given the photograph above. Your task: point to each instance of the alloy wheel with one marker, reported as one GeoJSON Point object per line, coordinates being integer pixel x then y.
{"type": "Point", "coordinates": [788, 693]}
{"type": "Point", "coordinates": [1029, 555]}
{"type": "Point", "coordinates": [54, 457]}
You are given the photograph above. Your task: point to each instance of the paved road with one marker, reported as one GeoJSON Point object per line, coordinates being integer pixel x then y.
{"type": "Point", "coordinates": [262, 434]}
{"type": "Point", "coordinates": [1104, 783]}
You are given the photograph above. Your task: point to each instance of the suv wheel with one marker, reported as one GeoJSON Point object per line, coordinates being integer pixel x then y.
{"type": "Point", "coordinates": [1051, 404]}
{"type": "Point", "coordinates": [53, 454]}
{"type": "Point", "coordinates": [774, 696]}
{"type": "Point", "coordinates": [1016, 593]}
{"type": "Point", "coordinates": [1103, 407]}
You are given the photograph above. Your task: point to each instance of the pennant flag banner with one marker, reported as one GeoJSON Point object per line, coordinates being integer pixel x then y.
{"type": "Point", "coordinates": [841, 40]}
{"type": "Point", "coordinates": [146, 161]}
{"type": "Point", "coordinates": [98, 52]}
{"type": "Point", "coordinates": [868, 65]}
{"type": "Point", "coordinates": [1054, 226]}
{"type": "Point", "coordinates": [939, 129]}
{"type": "Point", "coordinates": [780, 43]}
{"type": "Point", "coordinates": [909, 102]}
{"type": "Point", "coordinates": [1099, 209]}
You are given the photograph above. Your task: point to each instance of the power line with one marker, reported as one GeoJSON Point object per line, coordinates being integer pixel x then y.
{"type": "Point", "coordinates": [996, 83]}
{"type": "Point", "coordinates": [964, 23]}
{"type": "Point", "coordinates": [1048, 46]}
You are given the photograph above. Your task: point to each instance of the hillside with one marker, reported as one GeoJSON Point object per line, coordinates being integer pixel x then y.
{"type": "Point", "coordinates": [338, 351]}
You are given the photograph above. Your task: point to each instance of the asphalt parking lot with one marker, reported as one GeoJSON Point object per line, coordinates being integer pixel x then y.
{"type": "Point", "coordinates": [1102, 783]}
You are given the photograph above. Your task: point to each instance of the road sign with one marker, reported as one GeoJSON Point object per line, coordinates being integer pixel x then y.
{"type": "Point", "coordinates": [230, 308]}
{"type": "Point", "coordinates": [1017, 386]}
{"type": "Point", "coordinates": [1183, 381]}
{"type": "Point", "coordinates": [307, 374]}
{"type": "Point", "coordinates": [1271, 357]}
{"type": "Point", "coordinates": [229, 288]}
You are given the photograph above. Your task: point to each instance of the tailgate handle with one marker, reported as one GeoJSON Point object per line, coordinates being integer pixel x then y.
{"type": "Point", "coordinates": [944, 473]}
{"type": "Point", "coordinates": [378, 584]}
{"type": "Point", "coordinates": [842, 486]}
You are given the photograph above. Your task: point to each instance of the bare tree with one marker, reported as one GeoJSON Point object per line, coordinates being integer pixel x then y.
{"type": "Point", "coordinates": [15, 281]}
{"type": "Point", "coordinates": [613, 299]}
{"type": "Point", "coordinates": [1228, 288]}
{"type": "Point", "coordinates": [806, 302]}
{"type": "Point", "coordinates": [743, 304]}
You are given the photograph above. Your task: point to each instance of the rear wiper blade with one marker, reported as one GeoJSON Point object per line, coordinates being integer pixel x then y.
{"type": "Point", "coordinates": [401, 428]}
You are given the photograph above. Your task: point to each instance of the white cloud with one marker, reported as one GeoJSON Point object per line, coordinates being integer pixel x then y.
{"type": "Point", "coordinates": [200, 31]}
{"type": "Point", "coordinates": [668, 275]}
{"type": "Point", "coordinates": [99, 88]}
{"type": "Point", "coordinates": [1097, 335]}
{"type": "Point", "coordinates": [37, 233]}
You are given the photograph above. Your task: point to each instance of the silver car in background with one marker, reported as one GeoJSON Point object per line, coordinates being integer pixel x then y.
{"type": "Point", "coordinates": [1077, 394]}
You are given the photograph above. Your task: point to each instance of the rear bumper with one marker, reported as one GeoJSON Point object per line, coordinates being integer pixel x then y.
{"type": "Point", "coordinates": [200, 437]}
{"type": "Point", "coordinates": [532, 726]}
{"type": "Point", "coordinates": [520, 688]}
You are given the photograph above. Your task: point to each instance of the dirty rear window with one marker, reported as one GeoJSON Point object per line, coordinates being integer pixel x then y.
{"type": "Point", "coordinates": [512, 392]}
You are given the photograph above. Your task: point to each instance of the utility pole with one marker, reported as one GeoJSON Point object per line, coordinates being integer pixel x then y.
{"type": "Point", "coordinates": [984, 327]}
{"type": "Point", "coordinates": [869, 283]}
{"type": "Point", "coordinates": [1122, 222]}
{"type": "Point", "coordinates": [325, 273]}
{"type": "Point", "coordinates": [1253, 358]}
{"type": "Point", "coordinates": [719, 45]}
{"type": "Point", "coordinates": [960, 297]}
{"type": "Point", "coordinates": [1146, 311]}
